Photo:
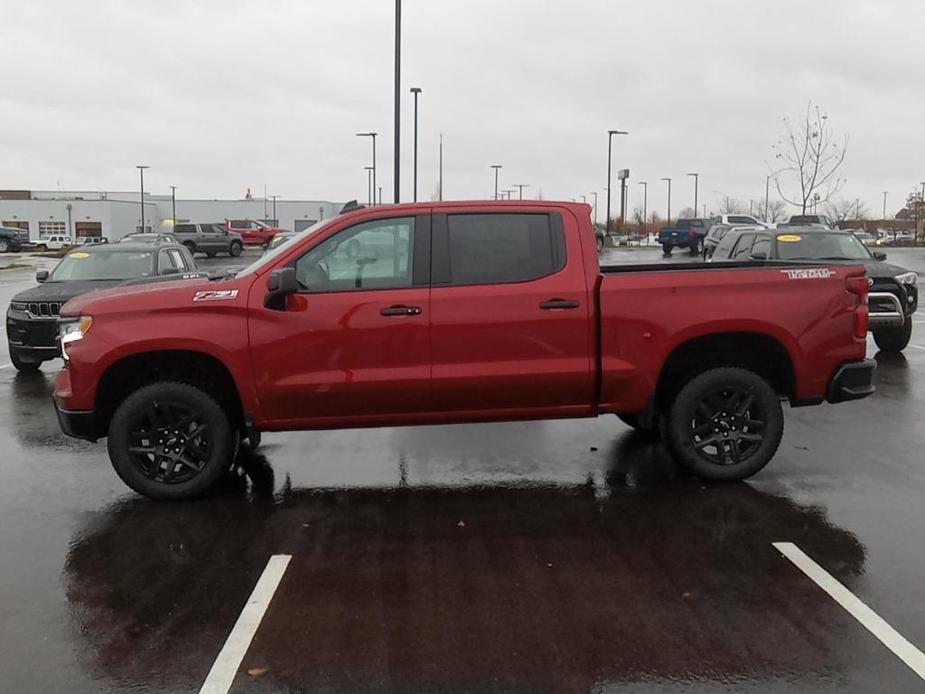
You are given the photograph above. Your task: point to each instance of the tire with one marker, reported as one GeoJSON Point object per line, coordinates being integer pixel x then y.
{"type": "Point", "coordinates": [4, 245]}
{"type": "Point", "coordinates": [632, 420]}
{"type": "Point", "coordinates": [599, 240]}
{"type": "Point", "coordinates": [190, 246]}
{"type": "Point", "coordinates": [725, 424]}
{"type": "Point", "coordinates": [146, 419]}
{"type": "Point", "coordinates": [234, 250]}
{"type": "Point", "coordinates": [666, 249]}
{"type": "Point", "coordinates": [893, 340]}
{"type": "Point", "coordinates": [24, 365]}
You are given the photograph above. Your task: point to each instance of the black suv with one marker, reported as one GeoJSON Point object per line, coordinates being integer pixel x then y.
{"type": "Point", "coordinates": [893, 296]}
{"type": "Point", "coordinates": [10, 241]}
{"type": "Point", "coordinates": [32, 318]}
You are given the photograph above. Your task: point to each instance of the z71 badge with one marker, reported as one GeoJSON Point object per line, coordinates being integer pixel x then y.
{"type": "Point", "coordinates": [217, 295]}
{"type": "Point", "coordinates": [812, 273]}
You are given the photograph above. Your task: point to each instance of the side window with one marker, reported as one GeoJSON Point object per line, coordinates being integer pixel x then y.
{"type": "Point", "coordinates": [372, 255]}
{"type": "Point", "coordinates": [743, 247]}
{"type": "Point", "coordinates": [178, 260]}
{"type": "Point", "coordinates": [724, 247]}
{"type": "Point", "coordinates": [498, 248]}
{"type": "Point", "coordinates": [761, 248]}
{"type": "Point", "coordinates": [185, 228]}
{"type": "Point", "coordinates": [739, 220]}
{"type": "Point", "coordinates": [165, 261]}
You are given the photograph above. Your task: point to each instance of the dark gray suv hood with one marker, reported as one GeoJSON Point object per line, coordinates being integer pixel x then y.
{"type": "Point", "coordinates": [63, 291]}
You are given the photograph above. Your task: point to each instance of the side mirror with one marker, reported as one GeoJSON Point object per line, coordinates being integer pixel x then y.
{"type": "Point", "coordinates": [280, 284]}
{"type": "Point", "coordinates": [170, 271]}
{"type": "Point", "coordinates": [879, 255]}
{"type": "Point", "coordinates": [41, 276]}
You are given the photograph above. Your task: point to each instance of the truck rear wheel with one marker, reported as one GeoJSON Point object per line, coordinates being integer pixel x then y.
{"type": "Point", "coordinates": [171, 440]}
{"type": "Point", "coordinates": [894, 339]}
{"type": "Point", "coordinates": [234, 250]}
{"type": "Point", "coordinates": [725, 424]}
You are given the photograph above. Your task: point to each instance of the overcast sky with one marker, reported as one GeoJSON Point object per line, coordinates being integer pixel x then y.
{"type": "Point", "coordinates": [223, 95]}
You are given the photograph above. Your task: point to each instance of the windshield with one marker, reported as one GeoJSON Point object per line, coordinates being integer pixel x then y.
{"type": "Point", "coordinates": [282, 249]}
{"type": "Point", "coordinates": [104, 265]}
{"type": "Point", "coordinates": [821, 246]}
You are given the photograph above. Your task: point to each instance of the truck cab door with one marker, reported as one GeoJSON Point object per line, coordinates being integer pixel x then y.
{"type": "Point", "coordinates": [352, 346]}
{"type": "Point", "coordinates": [511, 315]}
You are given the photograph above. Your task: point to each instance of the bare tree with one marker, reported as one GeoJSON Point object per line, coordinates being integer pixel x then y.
{"type": "Point", "coordinates": [842, 209]}
{"type": "Point", "coordinates": [638, 216]}
{"type": "Point", "coordinates": [731, 205]}
{"type": "Point", "coordinates": [777, 210]}
{"type": "Point", "coordinates": [687, 213]}
{"type": "Point", "coordinates": [809, 156]}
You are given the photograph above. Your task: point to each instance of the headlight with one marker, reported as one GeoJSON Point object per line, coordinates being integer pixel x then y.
{"type": "Point", "coordinates": [907, 278]}
{"type": "Point", "coordinates": [71, 330]}
{"type": "Point", "coordinates": [19, 306]}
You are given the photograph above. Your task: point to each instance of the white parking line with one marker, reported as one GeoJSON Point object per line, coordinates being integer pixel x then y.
{"type": "Point", "coordinates": [875, 624]}
{"type": "Point", "coordinates": [239, 640]}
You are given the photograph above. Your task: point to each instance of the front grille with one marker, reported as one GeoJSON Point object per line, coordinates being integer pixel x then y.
{"type": "Point", "coordinates": [29, 333]}
{"type": "Point", "coordinates": [44, 309]}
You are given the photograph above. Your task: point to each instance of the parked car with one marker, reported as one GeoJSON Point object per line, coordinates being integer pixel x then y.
{"type": "Point", "coordinates": [210, 239]}
{"type": "Point", "coordinates": [148, 237]}
{"type": "Point", "coordinates": [32, 317]}
{"type": "Point", "coordinates": [253, 233]}
{"type": "Point", "coordinates": [456, 312]}
{"type": "Point", "coordinates": [53, 243]}
{"type": "Point", "coordinates": [737, 220]}
{"type": "Point", "coordinates": [10, 240]}
{"type": "Point", "coordinates": [893, 297]}
{"type": "Point", "coordinates": [91, 240]}
{"type": "Point", "coordinates": [716, 234]}
{"type": "Point", "coordinates": [809, 220]}
{"type": "Point", "coordinates": [686, 233]}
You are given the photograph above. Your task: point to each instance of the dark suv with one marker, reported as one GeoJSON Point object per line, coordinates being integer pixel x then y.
{"type": "Point", "coordinates": [32, 317]}
{"type": "Point", "coordinates": [893, 295]}
{"type": "Point", "coordinates": [209, 239]}
{"type": "Point", "coordinates": [10, 240]}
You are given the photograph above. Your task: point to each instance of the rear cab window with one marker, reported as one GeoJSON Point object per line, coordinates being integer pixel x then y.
{"type": "Point", "coordinates": [497, 248]}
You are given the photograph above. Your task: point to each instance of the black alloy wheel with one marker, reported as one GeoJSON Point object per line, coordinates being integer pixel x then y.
{"type": "Point", "coordinates": [725, 424]}
{"type": "Point", "coordinates": [171, 440]}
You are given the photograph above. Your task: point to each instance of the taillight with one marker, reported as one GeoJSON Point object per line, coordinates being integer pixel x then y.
{"type": "Point", "coordinates": [858, 285]}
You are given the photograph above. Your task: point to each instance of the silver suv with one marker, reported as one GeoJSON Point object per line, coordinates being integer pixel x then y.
{"type": "Point", "coordinates": [210, 239]}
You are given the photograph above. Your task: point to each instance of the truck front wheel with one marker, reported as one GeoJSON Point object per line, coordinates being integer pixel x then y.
{"type": "Point", "coordinates": [171, 440]}
{"type": "Point", "coordinates": [894, 339]}
{"type": "Point", "coordinates": [666, 249]}
{"type": "Point", "coordinates": [725, 424]}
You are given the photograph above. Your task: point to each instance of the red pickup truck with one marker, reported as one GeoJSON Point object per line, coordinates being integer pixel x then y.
{"type": "Point", "coordinates": [253, 233]}
{"type": "Point", "coordinates": [456, 312]}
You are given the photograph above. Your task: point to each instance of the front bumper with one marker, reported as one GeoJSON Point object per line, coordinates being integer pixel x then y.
{"type": "Point", "coordinates": [852, 381]}
{"type": "Point", "coordinates": [77, 424]}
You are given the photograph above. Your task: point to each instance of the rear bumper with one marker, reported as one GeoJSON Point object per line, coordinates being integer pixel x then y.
{"type": "Point", "coordinates": [852, 381]}
{"type": "Point", "coordinates": [77, 424]}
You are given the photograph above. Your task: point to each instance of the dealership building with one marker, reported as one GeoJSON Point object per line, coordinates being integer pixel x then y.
{"type": "Point", "coordinates": [40, 214]}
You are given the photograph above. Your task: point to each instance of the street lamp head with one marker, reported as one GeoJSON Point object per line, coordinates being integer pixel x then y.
{"type": "Point", "coordinates": [495, 166]}
{"type": "Point", "coordinates": [642, 183]}
{"type": "Point", "coordinates": [142, 166]}
{"type": "Point", "coordinates": [665, 178]}
{"type": "Point", "coordinates": [693, 174]}
{"type": "Point", "coordinates": [367, 134]}
{"type": "Point", "coordinates": [618, 132]}
{"type": "Point", "coordinates": [415, 90]}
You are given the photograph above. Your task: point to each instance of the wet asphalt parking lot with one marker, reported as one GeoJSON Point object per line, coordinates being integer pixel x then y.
{"type": "Point", "coordinates": [560, 556]}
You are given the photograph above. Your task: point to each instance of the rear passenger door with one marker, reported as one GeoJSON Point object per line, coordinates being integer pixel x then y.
{"type": "Point", "coordinates": [511, 315]}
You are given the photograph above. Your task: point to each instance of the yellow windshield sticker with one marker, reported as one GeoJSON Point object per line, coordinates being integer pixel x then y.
{"type": "Point", "coordinates": [789, 238]}
{"type": "Point", "coordinates": [80, 254]}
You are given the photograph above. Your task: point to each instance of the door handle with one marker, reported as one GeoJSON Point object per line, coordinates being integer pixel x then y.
{"type": "Point", "coordinates": [558, 303]}
{"type": "Point", "coordinates": [400, 311]}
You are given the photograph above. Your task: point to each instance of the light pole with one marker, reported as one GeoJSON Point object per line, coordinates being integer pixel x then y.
{"type": "Point", "coordinates": [696, 186]}
{"type": "Point", "coordinates": [594, 195]}
{"type": "Point", "coordinates": [857, 208]}
{"type": "Point", "coordinates": [767, 190]}
{"type": "Point", "coordinates": [583, 198]}
{"type": "Point", "coordinates": [520, 188]}
{"type": "Point", "coordinates": [173, 204]}
{"type": "Point", "coordinates": [275, 218]}
{"type": "Point", "coordinates": [415, 91]}
{"type": "Point", "coordinates": [496, 167]}
{"type": "Point", "coordinates": [884, 205]}
{"type": "Point", "coordinates": [507, 193]}
{"type": "Point", "coordinates": [373, 136]}
{"type": "Point", "coordinates": [397, 153]}
{"type": "Point", "coordinates": [141, 170]}
{"type": "Point", "coordinates": [440, 177]}
{"type": "Point", "coordinates": [610, 134]}
{"type": "Point", "coordinates": [669, 199]}
{"type": "Point", "coordinates": [645, 206]}
{"type": "Point", "coordinates": [370, 200]}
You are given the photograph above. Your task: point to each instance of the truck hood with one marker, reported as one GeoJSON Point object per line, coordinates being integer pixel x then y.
{"type": "Point", "coordinates": [156, 295]}
{"type": "Point", "coordinates": [876, 269]}
{"type": "Point", "coordinates": [63, 291]}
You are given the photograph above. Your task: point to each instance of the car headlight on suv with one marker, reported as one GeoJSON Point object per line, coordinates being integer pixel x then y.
{"type": "Point", "coordinates": [907, 278]}
{"type": "Point", "coordinates": [70, 330]}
